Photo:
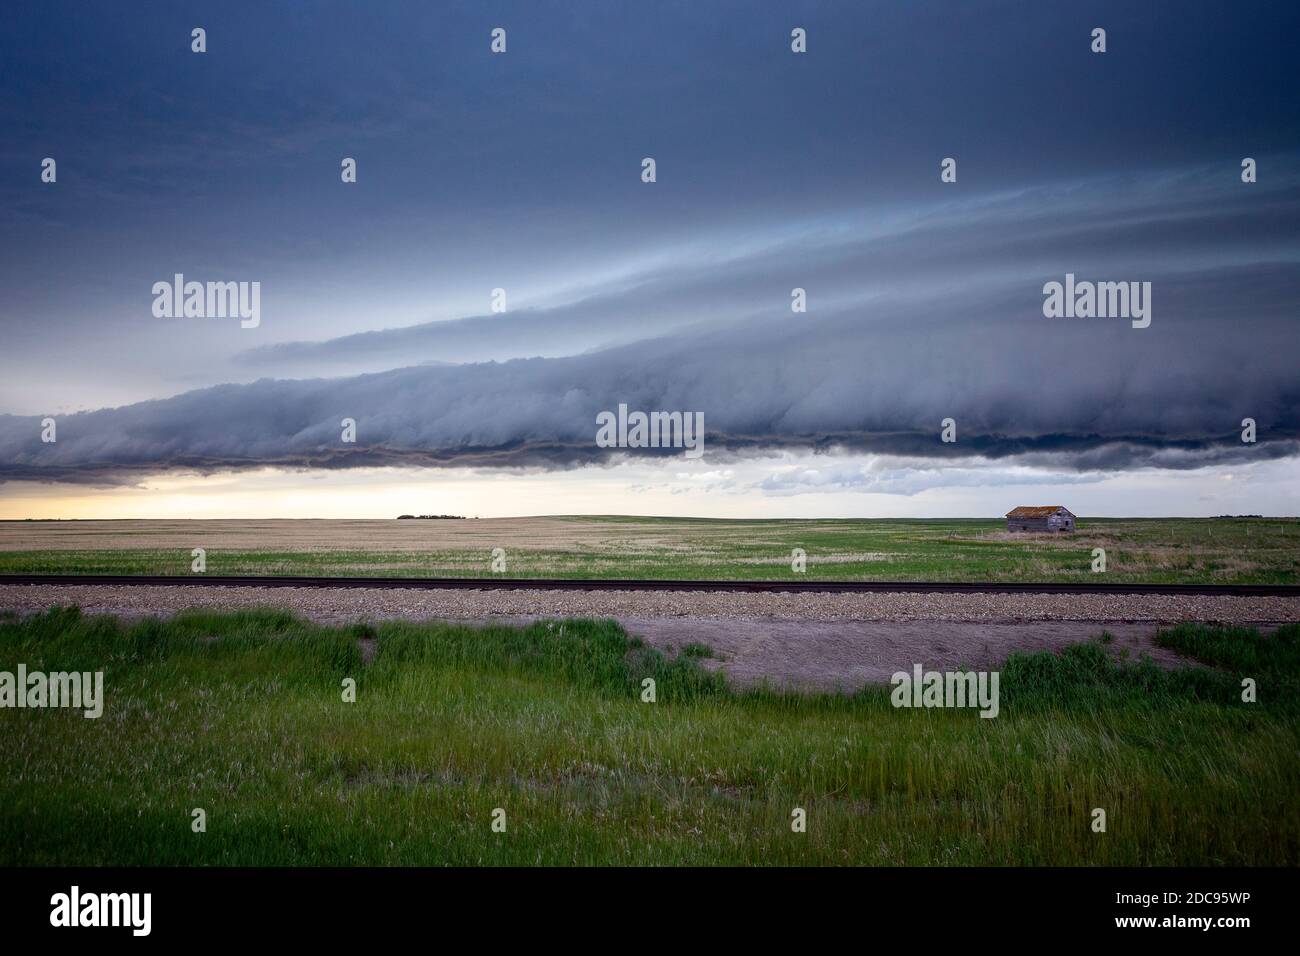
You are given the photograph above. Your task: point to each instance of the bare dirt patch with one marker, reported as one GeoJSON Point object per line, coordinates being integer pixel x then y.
{"type": "Point", "coordinates": [846, 655]}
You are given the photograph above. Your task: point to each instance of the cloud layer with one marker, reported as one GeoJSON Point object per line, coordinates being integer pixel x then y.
{"type": "Point", "coordinates": [927, 317]}
{"type": "Point", "coordinates": [1093, 394]}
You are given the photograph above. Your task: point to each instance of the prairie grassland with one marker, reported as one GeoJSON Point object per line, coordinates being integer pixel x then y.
{"type": "Point", "coordinates": [242, 715]}
{"type": "Point", "coordinates": [1178, 550]}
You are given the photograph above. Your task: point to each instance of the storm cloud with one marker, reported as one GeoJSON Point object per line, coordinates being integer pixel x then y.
{"type": "Point", "coordinates": [818, 172]}
{"type": "Point", "coordinates": [986, 246]}
{"type": "Point", "coordinates": [878, 376]}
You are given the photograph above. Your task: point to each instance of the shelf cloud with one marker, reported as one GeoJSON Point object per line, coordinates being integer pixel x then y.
{"type": "Point", "coordinates": [877, 376]}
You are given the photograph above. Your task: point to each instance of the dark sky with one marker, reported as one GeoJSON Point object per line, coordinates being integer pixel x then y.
{"type": "Point", "coordinates": [521, 171]}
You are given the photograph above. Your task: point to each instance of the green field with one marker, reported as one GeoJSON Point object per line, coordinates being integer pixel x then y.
{"type": "Point", "coordinates": [242, 715]}
{"type": "Point", "coordinates": [1177, 550]}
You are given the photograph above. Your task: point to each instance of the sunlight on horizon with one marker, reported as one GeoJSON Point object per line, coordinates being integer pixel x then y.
{"type": "Point", "coordinates": [784, 486]}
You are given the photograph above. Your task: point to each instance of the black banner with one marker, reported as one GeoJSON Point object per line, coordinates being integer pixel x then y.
{"type": "Point", "coordinates": [336, 905]}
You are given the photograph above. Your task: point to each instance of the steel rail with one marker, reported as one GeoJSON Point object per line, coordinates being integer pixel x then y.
{"type": "Point", "coordinates": [611, 584]}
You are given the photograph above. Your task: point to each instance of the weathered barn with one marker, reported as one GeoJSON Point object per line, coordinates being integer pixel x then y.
{"type": "Point", "coordinates": [1040, 518]}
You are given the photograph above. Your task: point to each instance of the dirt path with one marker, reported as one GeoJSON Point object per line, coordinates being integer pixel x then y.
{"type": "Point", "coordinates": [846, 655]}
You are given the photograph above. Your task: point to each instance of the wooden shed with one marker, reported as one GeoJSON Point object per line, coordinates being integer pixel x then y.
{"type": "Point", "coordinates": [1040, 518]}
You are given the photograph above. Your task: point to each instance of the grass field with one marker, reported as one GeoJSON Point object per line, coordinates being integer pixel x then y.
{"type": "Point", "coordinates": [1178, 550]}
{"type": "Point", "coordinates": [242, 716]}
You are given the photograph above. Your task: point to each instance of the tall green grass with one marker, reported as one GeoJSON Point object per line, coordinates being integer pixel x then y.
{"type": "Point", "coordinates": [241, 715]}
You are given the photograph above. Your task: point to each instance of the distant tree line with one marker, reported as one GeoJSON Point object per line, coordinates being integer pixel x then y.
{"type": "Point", "coordinates": [433, 517]}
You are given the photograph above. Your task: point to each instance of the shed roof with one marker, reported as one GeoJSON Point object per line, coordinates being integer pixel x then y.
{"type": "Point", "coordinates": [1036, 511]}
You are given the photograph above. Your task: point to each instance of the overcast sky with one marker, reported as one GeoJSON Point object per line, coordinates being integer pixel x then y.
{"type": "Point", "coordinates": [522, 171]}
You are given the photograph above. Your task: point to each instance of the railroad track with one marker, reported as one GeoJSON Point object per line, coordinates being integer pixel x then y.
{"type": "Point", "coordinates": [568, 584]}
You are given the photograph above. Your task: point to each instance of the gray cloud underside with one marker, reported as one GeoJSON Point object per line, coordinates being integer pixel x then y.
{"type": "Point", "coordinates": [987, 246]}
{"type": "Point", "coordinates": [1087, 394]}
{"type": "Point", "coordinates": [910, 322]}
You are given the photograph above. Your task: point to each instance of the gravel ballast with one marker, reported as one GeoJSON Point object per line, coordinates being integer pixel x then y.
{"type": "Point", "coordinates": [329, 605]}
